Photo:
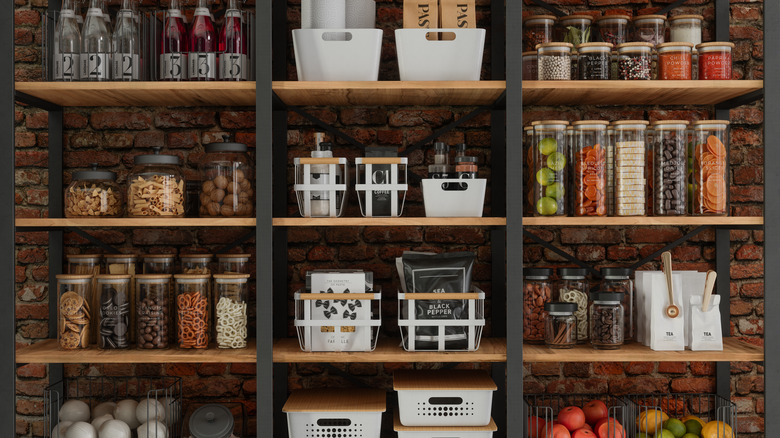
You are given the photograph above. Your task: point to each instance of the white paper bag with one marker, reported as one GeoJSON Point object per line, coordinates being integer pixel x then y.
{"type": "Point", "coordinates": [666, 334]}
{"type": "Point", "coordinates": [642, 322]}
{"type": "Point", "coordinates": [706, 333]}
{"type": "Point", "coordinates": [693, 285]}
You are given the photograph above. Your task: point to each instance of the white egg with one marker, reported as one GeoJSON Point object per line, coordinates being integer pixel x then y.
{"type": "Point", "coordinates": [81, 429]}
{"type": "Point", "coordinates": [97, 422]}
{"type": "Point", "coordinates": [103, 409]}
{"type": "Point", "coordinates": [74, 410]}
{"type": "Point", "coordinates": [115, 429]}
{"type": "Point", "coordinates": [150, 410]}
{"type": "Point", "coordinates": [59, 430]}
{"type": "Point", "coordinates": [125, 411]}
{"type": "Point", "coordinates": [152, 429]}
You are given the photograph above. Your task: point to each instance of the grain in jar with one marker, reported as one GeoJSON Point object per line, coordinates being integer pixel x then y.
{"type": "Point", "coordinates": [589, 169]}
{"type": "Point", "coordinates": [649, 29]}
{"type": "Point", "coordinates": [715, 61]}
{"type": "Point", "coordinates": [154, 311]}
{"type": "Point", "coordinates": [709, 176]}
{"type": "Point", "coordinates": [193, 310]}
{"type": "Point", "coordinates": [538, 29]}
{"type": "Point", "coordinates": [629, 168]}
{"type": "Point", "coordinates": [594, 61]}
{"type": "Point", "coordinates": [231, 292]}
{"type": "Point", "coordinates": [670, 163]}
{"type": "Point", "coordinates": [156, 186]}
{"type": "Point", "coordinates": [635, 61]}
{"type": "Point", "coordinates": [537, 291]}
{"type": "Point", "coordinates": [93, 193]}
{"type": "Point", "coordinates": [554, 61]}
{"type": "Point", "coordinates": [74, 311]}
{"type": "Point", "coordinates": [685, 28]}
{"type": "Point", "coordinates": [550, 168]}
{"type": "Point", "coordinates": [675, 61]}
{"type": "Point", "coordinates": [573, 287]}
{"type": "Point", "coordinates": [613, 29]}
{"type": "Point", "coordinates": [575, 29]}
{"type": "Point", "coordinates": [113, 311]}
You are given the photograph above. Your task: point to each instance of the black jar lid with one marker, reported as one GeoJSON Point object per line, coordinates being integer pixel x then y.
{"type": "Point", "coordinates": [615, 272]}
{"type": "Point", "coordinates": [157, 158]}
{"type": "Point", "coordinates": [572, 272]}
{"type": "Point", "coordinates": [94, 174]}
{"type": "Point", "coordinates": [560, 307]}
{"type": "Point", "coordinates": [614, 297]}
{"type": "Point", "coordinates": [467, 159]}
{"type": "Point", "coordinates": [225, 146]}
{"type": "Point", "coordinates": [537, 272]}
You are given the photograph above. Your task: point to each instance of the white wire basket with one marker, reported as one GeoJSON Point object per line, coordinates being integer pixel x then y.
{"type": "Point", "coordinates": [465, 333]}
{"type": "Point", "coordinates": [453, 197]}
{"type": "Point", "coordinates": [321, 186]}
{"type": "Point", "coordinates": [381, 184]}
{"type": "Point", "coordinates": [351, 321]}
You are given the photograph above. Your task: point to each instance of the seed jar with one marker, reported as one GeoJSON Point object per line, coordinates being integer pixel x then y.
{"type": "Point", "coordinates": [154, 311]}
{"type": "Point", "coordinates": [715, 61]}
{"type": "Point", "coordinates": [613, 29]}
{"type": "Point", "coordinates": [710, 167]}
{"type": "Point", "coordinates": [573, 288]}
{"type": "Point", "coordinates": [594, 61]}
{"type": "Point", "coordinates": [606, 321]}
{"type": "Point", "coordinates": [94, 193]}
{"type": "Point", "coordinates": [233, 263]}
{"type": "Point", "coordinates": [550, 168]}
{"type": "Point", "coordinates": [227, 188]}
{"type": "Point", "coordinates": [554, 61]}
{"type": "Point", "coordinates": [630, 166]}
{"type": "Point", "coordinates": [231, 317]}
{"type": "Point", "coordinates": [675, 61]}
{"type": "Point", "coordinates": [530, 66]}
{"type": "Point", "coordinates": [193, 310]}
{"type": "Point", "coordinates": [649, 29]}
{"type": "Point", "coordinates": [537, 291]}
{"type": "Point", "coordinates": [74, 311]}
{"type": "Point", "coordinates": [537, 29]}
{"type": "Point", "coordinates": [635, 61]}
{"type": "Point", "coordinates": [560, 325]}
{"type": "Point", "coordinates": [155, 186]}
{"type": "Point", "coordinates": [670, 163]}
{"type": "Point", "coordinates": [113, 293]}
{"type": "Point", "coordinates": [685, 28]}
{"type": "Point", "coordinates": [589, 168]}
{"type": "Point", "coordinates": [575, 29]}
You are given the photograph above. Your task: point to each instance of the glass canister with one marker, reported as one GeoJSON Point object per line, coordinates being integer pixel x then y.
{"type": "Point", "coordinates": [83, 264]}
{"type": "Point", "coordinates": [537, 29]}
{"type": "Point", "coordinates": [670, 164]}
{"type": "Point", "coordinates": [159, 263]}
{"type": "Point", "coordinates": [196, 263]}
{"type": "Point", "coordinates": [550, 168]}
{"type": "Point", "coordinates": [574, 65]}
{"type": "Point", "coordinates": [74, 311]}
{"type": "Point", "coordinates": [629, 177]}
{"type": "Point", "coordinates": [554, 61]}
{"type": "Point", "coordinates": [560, 325]}
{"type": "Point", "coordinates": [528, 174]}
{"type": "Point", "coordinates": [590, 168]}
{"type": "Point", "coordinates": [710, 167]}
{"type": "Point", "coordinates": [685, 28]}
{"type": "Point", "coordinates": [594, 61]}
{"type": "Point", "coordinates": [530, 66]}
{"type": "Point", "coordinates": [233, 263]}
{"type": "Point", "coordinates": [675, 61]}
{"type": "Point", "coordinates": [537, 291]}
{"type": "Point", "coordinates": [154, 311]}
{"type": "Point", "coordinates": [613, 29]}
{"type": "Point", "coordinates": [715, 61]}
{"type": "Point", "coordinates": [606, 321]}
{"type": "Point", "coordinates": [113, 293]}
{"type": "Point", "coordinates": [575, 29]}
{"type": "Point", "coordinates": [227, 176]}
{"type": "Point", "coordinates": [573, 288]}
{"type": "Point", "coordinates": [94, 193]}
{"type": "Point", "coordinates": [650, 29]}
{"type": "Point", "coordinates": [618, 280]}
{"type": "Point", "coordinates": [193, 310]}
{"type": "Point", "coordinates": [610, 170]}
{"type": "Point", "coordinates": [232, 293]}
{"type": "Point", "coordinates": [156, 186]}
{"type": "Point", "coordinates": [635, 61]}
{"type": "Point", "coordinates": [121, 263]}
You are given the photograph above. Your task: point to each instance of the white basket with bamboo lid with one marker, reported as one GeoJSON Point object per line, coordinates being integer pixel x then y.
{"type": "Point", "coordinates": [331, 412]}
{"type": "Point", "coordinates": [443, 431]}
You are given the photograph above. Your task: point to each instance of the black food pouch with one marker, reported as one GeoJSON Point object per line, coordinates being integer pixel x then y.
{"type": "Point", "coordinates": [439, 273]}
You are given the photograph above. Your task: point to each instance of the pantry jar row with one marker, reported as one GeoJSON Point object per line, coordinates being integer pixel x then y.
{"type": "Point", "coordinates": [628, 61]}
{"type": "Point", "coordinates": [156, 187]}
{"type": "Point", "coordinates": [114, 310]}
{"type": "Point", "coordinates": [627, 168]}
{"type": "Point", "coordinates": [614, 29]}
{"type": "Point", "coordinates": [127, 264]}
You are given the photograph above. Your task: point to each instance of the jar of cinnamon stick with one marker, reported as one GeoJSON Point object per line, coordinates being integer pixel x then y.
{"type": "Point", "coordinates": [560, 325]}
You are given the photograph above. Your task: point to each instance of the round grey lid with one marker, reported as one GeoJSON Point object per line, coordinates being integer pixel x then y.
{"type": "Point", "coordinates": [94, 174]}
{"type": "Point", "coordinates": [225, 147]}
{"type": "Point", "coordinates": [157, 158]}
{"type": "Point", "coordinates": [211, 421]}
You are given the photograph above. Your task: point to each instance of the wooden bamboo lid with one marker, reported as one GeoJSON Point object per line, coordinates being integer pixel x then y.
{"type": "Point", "coordinates": [83, 256]}
{"type": "Point", "coordinates": [336, 400]}
{"type": "Point", "coordinates": [398, 427]}
{"type": "Point", "coordinates": [427, 380]}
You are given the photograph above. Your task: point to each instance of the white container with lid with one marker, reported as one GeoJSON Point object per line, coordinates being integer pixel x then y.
{"type": "Point", "coordinates": [685, 28]}
{"type": "Point", "coordinates": [443, 431]}
{"type": "Point", "coordinates": [355, 413]}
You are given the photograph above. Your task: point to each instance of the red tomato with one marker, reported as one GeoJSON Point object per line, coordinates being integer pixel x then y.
{"type": "Point", "coordinates": [587, 427]}
{"type": "Point", "coordinates": [572, 417]}
{"type": "Point", "coordinates": [555, 431]}
{"type": "Point", "coordinates": [594, 411]}
{"type": "Point", "coordinates": [535, 427]}
{"type": "Point", "coordinates": [583, 433]}
{"type": "Point", "coordinates": [610, 428]}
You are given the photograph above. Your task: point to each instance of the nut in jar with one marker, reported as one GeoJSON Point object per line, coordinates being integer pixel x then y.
{"type": "Point", "coordinates": [156, 186]}
{"type": "Point", "coordinates": [226, 189]}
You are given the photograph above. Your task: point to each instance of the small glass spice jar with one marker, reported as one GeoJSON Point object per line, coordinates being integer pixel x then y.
{"type": "Point", "coordinates": [649, 29]}
{"type": "Point", "coordinates": [227, 175]}
{"type": "Point", "coordinates": [551, 168]}
{"type": "Point", "coordinates": [575, 29]}
{"type": "Point", "coordinates": [618, 280]}
{"type": "Point", "coordinates": [606, 321]}
{"type": "Point", "coordinates": [670, 164]}
{"type": "Point", "coordinates": [675, 61]}
{"type": "Point", "coordinates": [594, 61]}
{"type": "Point", "coordinates": [613, 29]}
{"type": "Point", "coordinates": [685, 28]}
{"type": "Point", "coordinates": [154, 311]}
{"type": "Point", "coordinates": [74, 311]}
{"type": "Point", "coordinates": [537, 291]}
{"type": "Point", "coordinates": [193, 310]}
{"type": "Point", "coordinates": [537, 29]}
{"type": "Point", "coordinates": [156, 186]}
{"type": "Point", "coordinates": [560, 325]}
{"type": "Point", "coordinates": [530, 66]}
{"type": "Point", "coordinates": [233, 263]}
{"type": "Point", "coordinates": [715, 61]}
{"type": "Point", "coordinates": [94, 193]}
{"type": "Point", "coordinates": [635, 61]}
{"type": "Point", "coordinates": [232, 291]}
{"type": "Point", "coordinates": [630, 167]}
{"type": "Point", "coordinates": [554, 61]}
{"type": "Point", "coordinates": [589, 168]}
{"type": "Point", "coordinates": [573, 288]}
{"type": "Point", "coordinates": [159, 263]}
{"type": "Point", "coordinates": [196, 263]}
{"type": "Point", "coordinates": [113, 318]}
{"type": "Point", "coordinates": [83, 264]}
{"type": "Point", "coordinates": [710, 167]}
{"type": "Point", "coordinates": [466, 167]}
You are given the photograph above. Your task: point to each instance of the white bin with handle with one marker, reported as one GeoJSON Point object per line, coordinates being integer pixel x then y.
{"type": "Point", "coordinates": [421, 59]}
{"type": "Point", "coordinates": [452, 197]}
{"type": "Point", "coordinates": [334, 412]}
{"type": "Point", "coordinates": [337, 54]}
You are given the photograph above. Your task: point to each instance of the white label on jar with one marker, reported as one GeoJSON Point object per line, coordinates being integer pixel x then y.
{"type": "Point", "coordinates": [233, 66]}
{"type": "Point", "coordinates": [203, 65]}
{"type": "Point", "coordinates": [126, 66]}
{"type": "Point", "coordinates": [66, 67]}
{"type": "Point", "coordinates": [94, 66]}
{"type": "Point", "coordinates": [173, 66]}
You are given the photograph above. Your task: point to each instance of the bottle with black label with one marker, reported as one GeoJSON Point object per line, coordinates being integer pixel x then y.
{"type": "Point", "coordinates": [95, 56]}
{"type": "Point", "coordinates": [233, 51]}
{"type": "Point", "coordinates": [174, 46]}
{"type": "Point", "coordinates": [126, 58]}
{"type": "Point", "coordinates": [203, 45]}
{"type": "Point", "coordinates": [320, 174]}
{"type": "Point", "coordinates": [67, 44]}
{"type": "Point", "coordinates": [381, 200]}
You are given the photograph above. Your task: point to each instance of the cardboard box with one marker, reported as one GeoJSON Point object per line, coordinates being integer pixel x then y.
{"type": "Point", "coordinates": [421, 14]}
{"type": "Point", "coordinates": [457, 14]}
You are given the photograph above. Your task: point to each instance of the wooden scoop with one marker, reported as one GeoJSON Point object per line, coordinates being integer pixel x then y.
{"type": "Point", "coordinates": [672, 311]}
{"type": "Point", "coordinates": [709, 283]}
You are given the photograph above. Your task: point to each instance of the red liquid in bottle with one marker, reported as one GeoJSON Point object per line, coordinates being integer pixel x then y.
{"type": "Point", "coordinates": [174, 47]}
{"type": "Point", "coordinates": [233, 59]}
{"type": "Point", "coordinates": [203, 46]}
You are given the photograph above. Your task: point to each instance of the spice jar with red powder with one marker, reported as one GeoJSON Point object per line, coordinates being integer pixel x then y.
{"type": "Point", "coordinates": [674, 61]}
{"type": "Point", "coordinates": [715, 61]}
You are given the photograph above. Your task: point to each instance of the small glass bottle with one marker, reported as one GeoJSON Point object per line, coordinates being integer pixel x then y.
{"type": "Point", "coordinates": [83, 264]}
{"type": "Point", "coordinates": [193, 310]}
{"type": "Point", "coordinates": [67, 44]}
{"type": "Point", "coordinates": [686, 28]}
{"type": "Point", "coordinates": [670, 164]}
{"type": "Point", "coordinates": [158, 264]}
{"type": "Point", "coordinates": [554, 61]}
{"type": "Point", "coordinates": [675, 61]}
{"type": "Point", "coordinates": [573, 288]}
{"type": "Point", "coordinates": [710, 168]}
{"type": "Point", "coordinates": [233, 263]}
{"type": "Point", "coordinates": [589, 168]}
{"type": "Point", "coordinates": [203, 45]}
{"type": "Point", "coordinates": [93, 193]}
{"type": "Point", "coordinates": [530, 66]}
{"type": "Point", "coordinates": [113, 293]}
{"type": "Point", "coordinates": [233, 46]}
{"type": "Point", "coordinates": [174, 45]}
{"type": "Point", "coordinates": [195, 263]}
{"type": "Point", "coordinates": [613, 29]}
{"type": "Point", "coordinates": [715, 61]}
{"type": "Point", "coordinates": [560, 325]}
{"type": "Point", "coordinates": [154, 311]}
{"type": "Point", "coordinates": [635, 61]}
{"type": "Point", "coordinates": [650, 29]}
{"type": "Point", "coordinates": [575, 29]}
{"type": "Point", "coordinates": [441, 168]}
{"type": "Point", "coordinates": [630, 156]}
{"type": "Point", "coordinates": [606, 321]}
{"type": "Point", "coordinates": [618, 280]}
{"type": "Point", "coordinates": [551, 168]}
{"type": "Point", "coordinates": [126, 44]}
{"type": "Point", "coordinates": [95, 45]}
{"type": "Point", "coordinates": [538, 29]}
{"type": "Point", "coordinates": [537, 291]}
{"type": "Point", "coordinates": [231, 317]}
{"type": "Point", "coordinates": [74, 311]}
{"type": "Point", "coordinates": [594, 61]}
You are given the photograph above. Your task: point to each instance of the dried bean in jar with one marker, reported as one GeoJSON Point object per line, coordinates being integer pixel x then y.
{"type": "Point", "coordinates": [606, 321]}
{"type": "Point", "coordinates": [153, 324]}
{"type": "Point", "coordinates": [671, 164]}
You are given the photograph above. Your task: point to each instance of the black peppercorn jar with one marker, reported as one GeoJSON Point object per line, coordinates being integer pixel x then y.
{"type": "Point", "coordinates": [594, 61]}
{"type": "Point", "coordinates": [606, 320]}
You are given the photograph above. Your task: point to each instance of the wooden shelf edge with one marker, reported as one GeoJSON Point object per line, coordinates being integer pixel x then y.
{"type": "Point", "coordinates": [134, 222]}
{"type": "Point", "coordinates": [390, 221]}
{"type": "Point", "coordinates": [644, 221]}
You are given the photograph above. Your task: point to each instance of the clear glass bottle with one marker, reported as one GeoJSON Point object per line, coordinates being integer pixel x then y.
{"type": "Point", "coordinates": [196, 263]}
{"type": "Point", "coordinates": [594, 61]}
{"type": "Point", "coordinates": [650, 29]}
{"type": "Point", "coordinates": [670, 164]}
{"type": "Point", "coordinates": [685, 28]}
{"type": "Point", "coordinates": [203, 45]}
{"type": "Point", "coordinates": [193, 310]}
{"type": "Point", "coordinates": [174, 50]}
{"type": "Point", "coordinates": [154, 312]}
{"type": "Point", "coordinates": [94, 193]}
{"type": "Point", "coordinates": [233, 46]}
{"type": "Point", "coordinates": [573, 287]}
{"type": "Point", "coordinates": [710, 167]}
{"type": "Point", "coordinates": [575, 29]}
{"type": "Point", "coordinates": [155, 186]}
{"type": "Point", "coordinates": [83, 264]}
{"type": "Point", "coordinates": [554, 61]}
{"type": "Point", "coordinates": [232, 292]}
{"type": "Point", "coordinates": [95, 45]}
{"type": "Point", "coordinates": [635, 61]}
{"type": "Point", "coordinates": [560, 325]}
{"type": "Point", "coordinates": [113, 316]}
{"type": "Point", "coordinates": [530, 66]}
{"type": "Point", "coordinates": [630, 156]}
{"type": "Point", "coordinates": [227, 177]}
{"type": "Point", "coordinates": [233, 263]}
{"type": "Point", "coordinates": [126, 44]}
{"type": "Point", "coordinates": [618, 280]}
{"type": "Point", "coordinates": [551, 168]}
{"type": "Point", "coordinates": [613, 29]}
{"type": "Point", "coordinates": [589, 168]}
{"type": "Point", "coordinates": [159, 264]}
{"type": "Point", "coordinates": [538, 29]}
{"type": "Point", "coordinates": [606, 321]}
{"type": "Point", "coordinates": [74, 311]}
{"type": "Point", "coordinates": [67, 44]}
{"type": "Point", "coordinates": [537, 291]}
{"type": "Point", "coordinates": [715, 61]}
{"type": "Point", "coordinates": [675, 61]}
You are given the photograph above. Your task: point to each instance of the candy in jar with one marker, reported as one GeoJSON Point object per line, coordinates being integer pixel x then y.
{"type": "Point", "coordinates": [670, 187]}
{"type": "Point", "coordinates": [590, 179]}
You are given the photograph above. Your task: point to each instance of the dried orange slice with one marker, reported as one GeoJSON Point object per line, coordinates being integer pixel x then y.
{"type": "Point", "coordinates": [715, 146]}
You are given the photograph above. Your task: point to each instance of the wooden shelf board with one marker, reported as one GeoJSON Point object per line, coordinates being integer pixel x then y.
{"type": "Point", "coordinates": [733, 350]}
{"type": "Point", "coordinates": [48, 351]}
{"type": "Point", "coordinates": [71, 94]}
{"type": "Point", "coordinates": [135, 222]}
{"type": "Point", "coordinates": [643, 221]}
{"type": "Point", "coordinates": [390, 92]}
{"type": "Point", "coordinates": [389, 221]}
{"type": "Point", "coordinates": [389, 350]}
{"type": "Point", "coordinates": [635, 92]}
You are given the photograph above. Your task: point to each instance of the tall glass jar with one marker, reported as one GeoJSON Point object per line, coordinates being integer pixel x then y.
{"type": "Point", "coordinates": [538, 29]}
{"type": "Point", "coordinates": [670, 163]}
{"type": "Point", "coordinates": [74, 311]}
{"type": "Point", "coordinates": [554, 61]}
{"type": "Point", "coordinates": [575, 29]}
{"type": "Point", "coordinates": [113, 318]}
{"type": "Point", "coordinates": [537, 291]}
{"type": "Point", "coordinates": [196, 263]}
{"type": "Point", "coordinates": [573, 288]}
{"type": "Point", "coordinates": [610, 170]}
{"type": "Point", "coordinates": [686, 28]}
{"type": "Point", "coordinates": [606, 321]}
{"type": "Point", "coordinates": [710, 167]}
{"type": "Point", "coordinates": [618, 280]}
{"type": "Point", "coordinates": [613, 29]}
{"type": "Point", "coordinates": [154, 312]}
{"type": "Point", "coordinates": [635, 61]}
{"type": "Point", "coordinates": [560, 325]}
{"type": "Point", "coordinates": [232, 293]}
{"type": "Point", "coordinates": [650, 29]}
{"type": "Point", "coordinates": [94, 193]}
{"type": "Point", "coordinates": [630, 156]}
{"type": "Point", "coordinates": [530, 66]}
{"type": "Point", "coordinates": [159, 264]}
{"type": "Point", "coordinates": [594, 61]}
{"type": "Point", "coordinates": [155, 186]}
{"type": "Point", "coordinates": [528, 174]}
{"type": "Point", "coordinates": [193, 317]}
{"type": "Point", "coordinates": [550, 168]}
{"type": "Point", "coordinates": [227, 177]}
{"type": "Point", "coordinates": [83, 264]}
{"type": "Point", "coordinates": [233, 263]}
{"type": "Point", "coordinates": [715, 61]}
{"type": "Point", "coordinates": [675, 61]}
{"type": "Point", "coordinates": [590, 168]}
{"type": "Point", "coordinates": [121, 264]}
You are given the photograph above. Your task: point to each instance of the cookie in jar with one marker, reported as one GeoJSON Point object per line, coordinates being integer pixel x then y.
{"type": "Point", "coordinates": [227, 188]}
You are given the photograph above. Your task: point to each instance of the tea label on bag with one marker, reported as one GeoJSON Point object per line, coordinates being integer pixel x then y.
{"type": "Point", "coordinates": [706, 332]}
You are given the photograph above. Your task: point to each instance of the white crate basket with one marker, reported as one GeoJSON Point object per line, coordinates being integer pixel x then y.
{"type": "Point", "coordinates": [471, 325]}
{"type": "Point", "coordinates": [339, 332]}
{"type": "Point", "coordinates": [444, 431]}
{"type": "Point", "coordinates": [390, 180]}
{"type": "Point", "coordinates": [453, 197]}
{"type": "Point", "coordinates": [337, 54]}
{"type": "Point", "coordinates": [332, 412]}
{"type": "Point", "coordinates": [321, 200]}
{"type": "Point", "coordinates": [459, 59]}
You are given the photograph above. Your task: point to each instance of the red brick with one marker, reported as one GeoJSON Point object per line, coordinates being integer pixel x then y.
{"type": "Point", "coordinates": [322, 253]}
{"type": "Point", "coordinates": [741, 308]}
{"type": "Point", "coordinates": [397, 234]}
{"type": "Point", "coordinates": [37, 120]}
{"type": "Point", "coordinates": [25, 139]}
{"type": "Point", "coordinates": [86, 139]}
{"type": "Point", "coordinates": [342, 235]}
{"type": "Point", "coordinates": [747, 193]}
{"type": "Point", "coordinates": [19, 274]}
{"type": "Point", "coordinates": [653, 235]}
{"type": "Point", "coordinates": [183, 140]}
{"type": "Point", "coordinates": [618, 253]}
{"type": "Point", "coordinates": [34, 330]}
{"type": "Point", "coordinates": [686, 253]}
{"type": "Point", "coordinates": [29, 407]}
{"type": "Point", "coordinates": [672, 367]}
{"type": "Point", "coordinates": [746, 115]}
{"type": "Point", "coordinates": [747, 270]}
{"type": "Point", "coordinates": [212, 387]}
{"type": "Point", "coordinates": [433, 118]}
{"type": "Point", "coordinates": [752, 290]}
{"type": "Point", "coordinates": [37, 197]}
{"type": "Point", "coordinates": [608, 368]}
{"type": "Point", "coordinates": [634, 385]}
{"type": "Point", "coordinates": [303, 235]}
{"type": "Point", "coordinates": [249, 387]}
{"type": "Point", "coordinates": [120, 120]}
{"type": "Point", "coordinates": [639, 368]}
{"type": "Point", "coordinates": [590, 253]}
{"type": "Point", "coordinates": [243, 368]}
{"type": "Point", "coordinates": [750, 424]}
{"type": "Point", "coordinates": [363, 116]}
{"type": "Point", "coordinates": [389, 137]}
{"type": "Point", "coordinates": [29, 388]}
{"type": "Point", "coordinates": [87, 157]}
{"type": "Point", "coordinates": [745, 33]}
{"type": "Point", "coordinates": [148, 139]}
{"type": "Point", "coordinates": [22, 427]}
{"type": "Point", "coordinates": [35, 370]}
{"type": "Point", "coordinates": [750, 252]}
{"type": "Point", "coordinates": [212, 369]}
{"type": "Point", "coordinates": [185, 119]}
{"type": "Point", "coordinates": [455, 235]}
{"type": "Point", "coordinates": [237, 119]}
{"type": "Point", "coordinates": [590, 235]}
{"type": "Point", "coordinates": [23, 37]}
{"type": "Point", "coordinates": [541, 233]}
{"type": "Point", "coordinates": [181, 369]}
{"type": "Point", "coordinates": [33, 255]}
{"type": "Point", "coordinates": [751, 326]}
{"type": "Point", "coordinates": [693, 384]}
{"type": "Point", "coordinates": [702, 368]}
{"type": "Point", "coordinates": [247, 138]}
{"type": "Point", "coordinates": [745, 12]}
{"type": "Point", "coordinates": [360, 252]}
{"type": "Point", "coordinates": [32, 311]}
{"type": "Point", "coordinates": [161, 237]}
{"type": "Point", "coordinates": [546, 369]}
{"type": "Point", "coordinates": [111, 237]}
{"type": "Point", "coordinates": [73, 120]}
{"type": "Point", "coordinates": [576, 369]}
{"type": "Point", "coordinates": [578, 386]}
{"type": "Point", "coordinates": [32, 238]}
{"type": "Point", "coordinates": [27, 18]}
{"type": "Point", "coordinates": [119, 140]}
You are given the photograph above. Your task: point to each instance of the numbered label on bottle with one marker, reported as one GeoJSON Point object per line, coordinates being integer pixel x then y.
{"type": "Point", "coordinates": [95, 67]}
{"type": "Point", "coordinates": [203, 65]}
{"type": "Point", "coordinates": [66, 67]}
{"type": "Point", "coordinates": [126, 67]}
{"type": "Point", "coordinates": [173, 66]}
{"type": "Point", "coordinates": [233, 66]}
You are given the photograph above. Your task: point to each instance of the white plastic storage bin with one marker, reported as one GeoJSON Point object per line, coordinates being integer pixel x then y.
{"type": "Point", "coordinates": [444, 397]}
{"type": "Point", "coordinates": [467, 331]}
{"type": "Point", "coordinates": [421, 59]}
{"type": "Point", "coordinates": [321, 186]}
{"type": "Point", "coordinates": [453, 197]}
{"type": "Point", "coordinates": [381, 185]}
{"type": "Point", "coordinates": [331, 412]}
{"type": "Point", "coordinates": [337, 54]}
{"type": "Point", "coordinates": [325, 322]}
{"type": "Point", "coordinates": [444, 431]}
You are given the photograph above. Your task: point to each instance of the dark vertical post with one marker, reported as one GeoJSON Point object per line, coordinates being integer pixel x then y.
{"type": "Point", "coordinates": [56, 237]}
{"type": "Point", "coordinates": [771, 215]}
{"type": "Point", "coordinates": [7, 262]}
{"type": "Point", "coordinates": [723, 288]}
{"type": "Point", "coordinates": [722, 12]}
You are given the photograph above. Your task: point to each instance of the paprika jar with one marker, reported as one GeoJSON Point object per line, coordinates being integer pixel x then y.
{"type": "Point", "coordinates": [685, 28]}
{"type": "Point", "coordinates": [715, 61]}
{"type": "Point", "coordinates": [227, 176]}
{"type": "Point", "coordinates": [573, 288]}
{"type": "Point", "coordinates": [154, 311]}
{"type": "Point", "coordinates": [590, 168]}
{"type": "Point", "coordinates": [193, 310]}
{"type": "Point", "coordinates": [675, 61]}
{"type": "Point", "coordinates": [635, 61]}
{"type": "Point", "coordinates": [630, 156]}
{"type": "Point", "coordinates": [618, 280]}
{"type": "Point", "coordinates": [231, 292]}
{"type": "Point", "coordinates": [554, 61]}
{"type": "Point", "coordinates": [560, 325]}
{"type": "Point", "coordinates": [575, 29]}
{"type": "Point", "coordinates": [594, 61]}
{"type": "Point", "coordinates": [113, 316]}
{"type": "Point", "coordinates": [156, 186]}
{"type": "Point", "coordinates": [710, 167]}
{"type": "Point", "coordinates": [537, 291]}
{"type": "Point", "coordinates": [530, 66]}
{"type": "Point", "coordinates": [550, 168]}
{"type": "Point", "coordinates": [649, 29]}
{"type": "Point", "coordinates": [74, 311]}
{"type": "Point", "coordinates": [670, 163]}
{"type": "Point", "coordinates": [613, 29]}
{"type": "Point", "coordinates": [537, 29]}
